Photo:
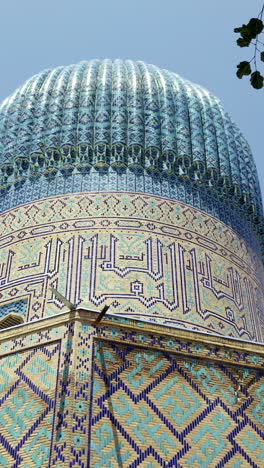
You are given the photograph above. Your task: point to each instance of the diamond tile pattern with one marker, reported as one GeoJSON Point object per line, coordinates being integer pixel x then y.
{"type": "Point", "coordinates": [27, 404]}
{"type": "Point", "coordinates": [153, 409]}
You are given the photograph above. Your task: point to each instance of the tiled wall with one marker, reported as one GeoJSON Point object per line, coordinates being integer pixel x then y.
{"type": "Point", "coordinates": [144, 256]}
{"type": "Point", "coordinates": [157, 398]}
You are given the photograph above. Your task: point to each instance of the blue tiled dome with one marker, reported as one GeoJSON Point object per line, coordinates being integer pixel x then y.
{"type": "Point", "coordinates": [128, 117]}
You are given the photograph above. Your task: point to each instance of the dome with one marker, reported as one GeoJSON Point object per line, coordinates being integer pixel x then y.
{"type": "Point", "coordinates": [127, 185]}
{"type": "Point", "coordinates": [131, 291]}
{"type": "Point", "coordinates": [123, 117]}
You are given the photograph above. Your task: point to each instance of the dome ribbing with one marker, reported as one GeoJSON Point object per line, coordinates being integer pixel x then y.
{"type": "Point", "coordinates": [128, 116]}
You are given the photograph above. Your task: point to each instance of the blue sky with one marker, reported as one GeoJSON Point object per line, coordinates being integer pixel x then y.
{"type": "Point", "coordinates": [193, 38]}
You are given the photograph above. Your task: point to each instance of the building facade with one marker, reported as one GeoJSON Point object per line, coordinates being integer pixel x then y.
{"type": "Point", "coordinates": [125, 185]}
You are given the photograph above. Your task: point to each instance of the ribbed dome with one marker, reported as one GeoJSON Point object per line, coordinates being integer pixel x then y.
{"type": "Point", "coordinates": [127, 116]}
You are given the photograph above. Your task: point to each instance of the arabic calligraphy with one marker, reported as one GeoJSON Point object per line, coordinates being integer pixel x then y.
{"type": "Point", "coordinates": [160, 265]}
{"type": "Point", "coordinates": [158, 275]}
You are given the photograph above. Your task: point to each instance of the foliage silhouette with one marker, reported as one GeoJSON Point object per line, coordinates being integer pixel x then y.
{"type": "Point", "coordinates": [250, 35]}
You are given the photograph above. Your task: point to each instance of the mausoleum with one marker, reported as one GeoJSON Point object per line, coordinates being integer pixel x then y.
{"type": "Point", "coordinates": [124, 185]}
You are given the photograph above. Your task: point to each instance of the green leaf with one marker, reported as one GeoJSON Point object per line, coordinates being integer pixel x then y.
{"type": "Point", "coordinates": [262, 56]}
{"type": "Point", "coordinates": [242, 42]}
{"type": "Point", "coordinates": [243, 69]}
{"type": "Point", "coordinates": [254, 27]}
{"type": "Point", "coordinates": [243, 30]}
{"type": "Point", "coordinates": [256, 80]}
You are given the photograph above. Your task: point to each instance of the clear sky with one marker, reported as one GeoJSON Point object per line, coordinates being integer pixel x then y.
{"type": "Point", "coordinates": [193, 38]}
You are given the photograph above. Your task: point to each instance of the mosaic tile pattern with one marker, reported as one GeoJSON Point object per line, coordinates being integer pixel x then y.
{"type": "Point", "coordinates": [27, 405]}
{"type": "Point", "coordinates": [181, 190]}
{"type": "Point", "coordinates": [168, 393]}
{"type": "Point", "coordinates": [144, 256]}
{"type": "Point", "coordinates": [128, 116]}
{"type": "Point", "coordinates": [15, 307]}
{"type": "Point", "coordinates": [36, 383]}
{"type": "Point", "coordinates": [15, 224]}
{"type": "Point", "coordinates": [158, 409]}
{"type": "Point", "coordinates": [152, 408]}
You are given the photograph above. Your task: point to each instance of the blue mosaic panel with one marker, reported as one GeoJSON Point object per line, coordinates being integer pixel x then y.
{"type": "Point", "coordinates": [15, 307]}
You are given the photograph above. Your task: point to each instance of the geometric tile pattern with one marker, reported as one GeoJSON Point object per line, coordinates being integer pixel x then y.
{"type": "Point", "coordinates": [17, 307]}
{"type": "Point", "coordinates": [36, 382]}
{"type": "Point", "coordinates": [152, 408]}
{"type": "Point", "coordinates": [144, 256]}
{"type": "Point", "coordinates": [182, 191]}
{"type": "Point", "coordinates": [27, 405]}
{"type": "Point", "coordinates": [50, 216]}
{"type": "Point", "coordinates": [154, 396]}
